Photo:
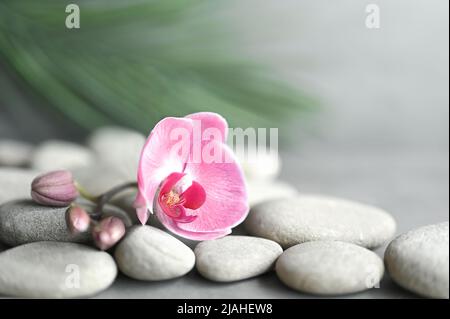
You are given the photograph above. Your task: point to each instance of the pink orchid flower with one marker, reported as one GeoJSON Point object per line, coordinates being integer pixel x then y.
{"type": "Point", "coordinates": [192, 195]}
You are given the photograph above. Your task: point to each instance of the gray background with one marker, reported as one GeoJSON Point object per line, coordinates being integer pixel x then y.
{"type": "Point", "coordinates": [381, 136]}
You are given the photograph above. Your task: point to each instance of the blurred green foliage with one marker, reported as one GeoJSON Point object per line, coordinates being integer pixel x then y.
{"type": "Point", "coordinates": [134, 62]}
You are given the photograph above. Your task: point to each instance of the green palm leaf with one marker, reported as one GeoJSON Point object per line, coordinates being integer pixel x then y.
{"type": "Point", "coordinates": [134, 62]}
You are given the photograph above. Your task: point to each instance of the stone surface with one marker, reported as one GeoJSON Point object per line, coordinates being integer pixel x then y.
{"type": "Point", "coordinates": [419, 260]}
{"type": "Point", "coordinates": [55, 270]}
{"type": "Point", "coordinates": [260, 191]}
{"type": "Point", "coordinates": [154, 222]}
{"type": "Point", "coordinates": [14, 153]}
{"type": "Point", "coordinates": [148, 253]}
{"type": "Point", "coordinates": [233, 258]}
{"type": "Point", "coordinates": [308, 217]}
{"type": "Point", "coordinates": [23, 221]}
{"type": "Point", "coordinates": [329, 268]}
{"type": "Point", "coordinates": [15, 183]}
{"type": "Point", "coordinates": [99, 178]}
{"type": "Point", "coordinates": [55, 154]}
{"type": "Point", "coordinates": [118, 148]}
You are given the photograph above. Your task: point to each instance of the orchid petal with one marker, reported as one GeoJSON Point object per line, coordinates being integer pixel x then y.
{"type": "Point", "coordinates": [142, 214]}
{"type": "Point", "coordinates": [159, 158]}
{"type": "Point", "coordinates": [171, 225]}
{"type": "Point", "coordinates": [170, 182]}
{"type": "Point", "coordinates": [226, 196]}
{"type": "Point", "coordinates": [183, 217]}
{"type": "Point", "coordinates": [140, 204]}
{"type": "Point", "coordinates": [211, 120]}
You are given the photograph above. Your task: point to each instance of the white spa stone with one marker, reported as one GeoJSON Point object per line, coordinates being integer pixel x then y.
{"type": "Point", "coordinates": [329, 268]}
{"type": "Point", "coordinates": [55, 270]}
{"type": "Point", "coordinates": [419, 260]}
{"type": "Point", "coordinates": [148, 253]}
{"type": "Point", "coordinates": [291, 221]}
{"type": "Point", "coordinates": [234, 258]}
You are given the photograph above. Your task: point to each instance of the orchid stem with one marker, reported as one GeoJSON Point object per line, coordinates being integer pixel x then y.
{"type": "Point", "coordinates": [106, 197]}
{"type": "Point", "coordinates": [85, 194]}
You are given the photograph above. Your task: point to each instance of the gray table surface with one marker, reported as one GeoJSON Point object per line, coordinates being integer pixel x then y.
{"type": "Point", "coordinates": [381, 136]}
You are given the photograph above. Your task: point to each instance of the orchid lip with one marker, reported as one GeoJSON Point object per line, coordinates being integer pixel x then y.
{"type": "Point", "coordinates": [176, 196]}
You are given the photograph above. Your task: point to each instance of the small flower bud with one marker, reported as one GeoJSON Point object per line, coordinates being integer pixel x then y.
{"type": "Point", "coordinates": [108, 232]}
{"type": "Point", "coordinates": [55, 188]}
{"type": "Point", "coordinates": [77, 220]}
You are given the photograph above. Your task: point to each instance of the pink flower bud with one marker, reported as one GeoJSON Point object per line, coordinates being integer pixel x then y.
{"type": "Point", "coordinates": [77, 220]}
{"type": "Point", "coordinates": [108, 232]}
{"type": "Point", "coordinates": [55, 188]}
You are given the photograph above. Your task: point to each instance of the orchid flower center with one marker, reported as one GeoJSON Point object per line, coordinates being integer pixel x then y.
{"type": "Point", "coordinates": [171, 198]}
{"type": "Point", "coordinates": [179, 197]}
